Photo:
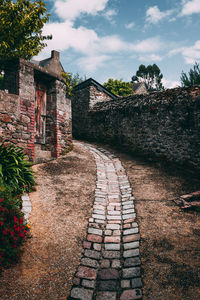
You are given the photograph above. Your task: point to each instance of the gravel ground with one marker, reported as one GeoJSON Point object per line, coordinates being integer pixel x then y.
{"type": "Point", "coordinates": [62, 204]}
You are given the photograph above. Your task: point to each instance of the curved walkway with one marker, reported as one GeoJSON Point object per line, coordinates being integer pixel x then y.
{"type": "Point", "coordinates": [110, 266]}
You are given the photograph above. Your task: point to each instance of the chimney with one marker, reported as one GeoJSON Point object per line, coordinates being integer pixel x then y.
{"type": "Point", "coordinates": [55, 55]}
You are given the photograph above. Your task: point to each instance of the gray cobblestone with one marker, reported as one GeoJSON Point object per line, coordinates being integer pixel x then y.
{"type": "Point", "coordinates": [113, 226]}
{"type": "Point", "coordinates": [112, 246]}
{"type": "Point", "coordinates": [89, 262]}
{"type": "Point", "coordinates": [95, 231]}
{"type": "Point", "coordinates": [82, 293]}
{"type": "Point", "coordinates": [131, 272]}
{"type": "Point", "coordinates": [131, 245]}
{"type": "Point", "coordinates": [92, 254]}
{"type": "Point", "coordinates": [130, 231]}
{"type": "Point", "coordinates": [130, 253]}
{"type": "Point", "coordinates": [129, 216]}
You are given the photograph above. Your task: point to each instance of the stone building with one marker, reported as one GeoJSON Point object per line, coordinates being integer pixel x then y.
{"type": "Point", "coordinates": [86, 95]}
{"type": "Point", "coordinates": [34, 111]}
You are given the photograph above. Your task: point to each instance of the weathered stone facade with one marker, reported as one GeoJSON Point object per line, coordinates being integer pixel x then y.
{"type": "Point", "coordinates": [25, 85]}
{"type": "Point", "coordinates": [86, 95]}
{"type": "Point", "coordinates": [161, 124]}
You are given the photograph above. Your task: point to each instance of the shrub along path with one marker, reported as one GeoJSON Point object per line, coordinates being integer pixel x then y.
{"type": "Point", "coordinates": [62, 204]}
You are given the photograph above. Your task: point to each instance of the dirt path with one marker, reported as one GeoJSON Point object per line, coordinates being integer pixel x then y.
{"type": "Point", "coordinates": [170, 237]}
{"type": "Point", "coordinates": [61, 208]}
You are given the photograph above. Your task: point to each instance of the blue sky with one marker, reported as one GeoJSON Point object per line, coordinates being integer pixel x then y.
{"type": "Point", "coordinates": [110, 38]}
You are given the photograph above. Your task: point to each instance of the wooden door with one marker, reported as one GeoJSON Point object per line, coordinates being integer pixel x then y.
{"type": "Point", "coordinates": [40, 113]}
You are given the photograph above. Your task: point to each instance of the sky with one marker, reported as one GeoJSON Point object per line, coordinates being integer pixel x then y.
{"type": "Point", "coordinates": [106, 39]}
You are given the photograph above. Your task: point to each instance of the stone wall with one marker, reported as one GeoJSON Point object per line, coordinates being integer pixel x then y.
{"type": "Point", "coordinates": [160, 124]}
{"type": "Point", "coordinates": [17, 109]}
{"type": "Point", "coordinates": [17, 122]}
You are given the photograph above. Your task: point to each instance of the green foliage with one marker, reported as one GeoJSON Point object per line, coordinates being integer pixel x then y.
{"type": "Point", "coordinates": [151, 75]}
{"type": "Point", "coordinates": [118, 87]}
{"type": "Point", "coordinates": [15, 169]}
{"type": "Point", "coordinates": [21, 24]}
{"type": "Point", "coordinates": [13, 231]}
{"type": "Point", "coordinates": [192, 78]}
{"type": "Point", "coordinates": [71, 82]}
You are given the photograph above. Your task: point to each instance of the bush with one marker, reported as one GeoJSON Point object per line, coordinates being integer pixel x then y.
{"type": "Point", "coordinates": [15, 169]}
{"type": "Point", "coordinates": [13, 231]}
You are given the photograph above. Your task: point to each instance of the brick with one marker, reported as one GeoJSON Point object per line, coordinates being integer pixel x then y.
{"type": "Point", "coordinates": [131, 238]}
{"type": "Point", "coordinates": [88, 283]}
{"type": "Point", "coordinates": [132, 262]}
{"type": "Point", "coordinates": [128, 211]}
{"type": "Point", "coordinates": [105, 263]}
{"type": "Point", "coordinates": [97, 247]}
{"type": "Point", "coordinates": [99, 212]}
{"type": "Point", "coordinates": [131, 272]}
{"type": "Point", "coordinates": [114, 212]}
{"type": "Point", "coordinates": [95, 231]}
{"type": "Point", "coordinates": [129, 220]}
{"type": "Point", "coordinates": [89, 262]}
{"type": "Point", "coordinates": [106, 296]}
{"type": "Point", "coordinates": [85, 272]}
{"type": "Point", "coordinates": [107, 274]}
{"type": "Point", "coordinates": [131, 294]}
{"type": "Point", "coordinates": [125, 284]}
{"type": "Point", "coordinates": [81, 293]}
{"type": "Point", "coordinates": [99, 221]}
{"type": "Point", "coordinates": [108, 285]}
{"type": "Point", "coordinates": [130, 253]}
{"type": "Point", "coordinates": [94, 238]}
{"type": "Point", "coordinates": [114, 222]}
{"type": "Point", "coordinates": [136, 282]}
{"type": "Point", "coordinates": [128, 217]}
{"type": "Point", "coordinates": [130, 231]}
{"type": "Point", "coordinates": [112, 246]}
{"type": "Point", "coordinates": [131, 245]}
{"type": "Point", "coordinates": [92, 254]}
{"type": "Point", "coordinates": [128, 206]}
{"type": "Point", "coordinates": [111, 254]}
{"type": "Point", "coordinates": [117, 232]}
{"type": "Point", "coordinates": [116, 263]}
{"type": "Point", "coordinates": [97, 216]}
{"type": "Point", "coordinates": [114, 217]}
{"type": "Point", "coordinates": [126, 226]}
{"type": "Point", "coordinates": [108, 232]}
{"type": "Point", "coordinates": [112, 239]}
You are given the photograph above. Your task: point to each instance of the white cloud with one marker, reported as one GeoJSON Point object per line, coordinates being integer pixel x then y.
{"type": "Point", "coordinates": [109, 14]}
{"type": "Point", "coordinates": [151, 57]}
{"type": "Point", "coordinates": [190, 7]}
{"type": "Point", "coordinates": [130, 25]}
{"type": "Point", "coordinates": [65, 36]}
{"type": "Point", "coordinates": [148, 45]}
{"type": "Point", "coordinates": [91, 63]}
{"type": "Point", "coordinates": [71, 9]}
{"type": "Point", "coordinates": [190, 54]}
{"type": "Point", "coordinates": [170, 84]}
{"type": "Point", "coordinates": [154, 15]}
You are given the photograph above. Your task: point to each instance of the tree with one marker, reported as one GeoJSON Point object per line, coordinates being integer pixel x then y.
{"type": "Point", "coordinates": [71, 82]}
{"type": "Point", "coordinates": [21, 24]}
{"type": "Point", "coordinates": [192, 78]}
{"type": "Point", "coordinates": [118, 87]}
{"type": "Point", "coordinates": [151, 75]}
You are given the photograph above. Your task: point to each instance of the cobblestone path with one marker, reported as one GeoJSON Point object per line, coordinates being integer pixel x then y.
{"type": "Point", "coordinates": [110, 266]}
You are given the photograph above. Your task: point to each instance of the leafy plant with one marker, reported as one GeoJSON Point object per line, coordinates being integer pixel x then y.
{"type": "Point", "coordinates": [15, 169]}
{"type": "Point", "coordinates": [151, 75]}
{"type": "Point", "coordinates": [193, 76]}
{"type": "Point", "coordinates": [21, 23]}
{"type": "Point", "coordinates": [13, 231]}
{"type": "Point", "coordinates": [118, 87]}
